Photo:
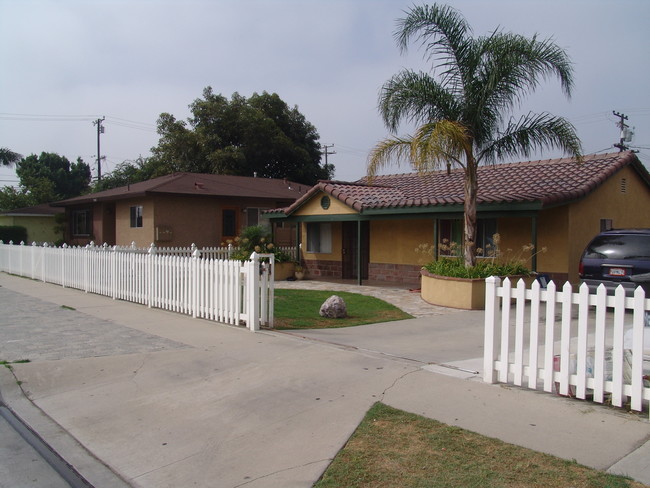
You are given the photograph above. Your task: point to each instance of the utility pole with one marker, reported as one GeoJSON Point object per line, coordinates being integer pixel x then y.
{"type": "Point", "coordinates": [626, 134]}
{"type": "Point", "coordinates": [100, 130]}
{"type": "Point", "coordinates": [326, 152]}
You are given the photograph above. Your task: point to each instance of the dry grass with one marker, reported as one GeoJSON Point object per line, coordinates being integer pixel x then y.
{"type": "Point", "coordinates": [392, 448]}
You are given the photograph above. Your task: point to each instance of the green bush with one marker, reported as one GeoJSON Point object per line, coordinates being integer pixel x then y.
{"type": "Point", "coordinates": [15, 233]}
{"type": "Point", "coordinates": [455, 268]}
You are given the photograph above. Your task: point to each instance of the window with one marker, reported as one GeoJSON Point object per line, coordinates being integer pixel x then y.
{"type": "Point", "coordinates": [81, 222]}
{"type": "Point", "coordinates": [254, 217]}
{"type": "Point", "coordinates": [486, 228]}
{"type": "Point", "coordinates": [319, 237]}
{"type": "Point", "coordinates": [228, 222]}
{"type": "Point", "coordinates": [136, 216]}
{"type": "Point", "coordinates": [451, 237]}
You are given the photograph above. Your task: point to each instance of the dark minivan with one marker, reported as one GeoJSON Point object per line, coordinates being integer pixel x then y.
{"type": "Point", "coordinates": [617, 257]}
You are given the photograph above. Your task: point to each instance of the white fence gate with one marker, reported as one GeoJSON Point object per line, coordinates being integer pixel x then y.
{"type": "Point", "coordinates": [223, 290]}
{"type": "Point", "coordinates": [572, 342]}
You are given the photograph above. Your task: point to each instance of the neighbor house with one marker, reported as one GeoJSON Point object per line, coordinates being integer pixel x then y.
{"type": "Point", "coordinates": [371, 230]}
{"type": "Point", "coordinates": [178, 210]}
{"type": "Point", "coordinates": [40, 222]}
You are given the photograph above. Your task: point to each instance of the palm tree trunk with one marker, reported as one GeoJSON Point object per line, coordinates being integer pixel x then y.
{"type": "Point", "coordinates": [471, 192]}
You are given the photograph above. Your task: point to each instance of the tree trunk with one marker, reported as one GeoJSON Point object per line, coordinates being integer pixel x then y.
{"type": "Point", "coordinates": [471, 191]}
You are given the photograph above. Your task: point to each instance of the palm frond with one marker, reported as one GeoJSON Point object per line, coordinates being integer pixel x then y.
{"type": "Point", "coordinates": [415, 97]}
{"type": "Point", "coordinates": [439, 143]}
{"type": "Point", "coordinates": [391, 150]}
{"type": "Point", "coordinates": [533, 132]}
{"type": "Point", "coordinates": [445, 36]}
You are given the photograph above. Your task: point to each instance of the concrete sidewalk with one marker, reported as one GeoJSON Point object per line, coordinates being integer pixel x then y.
{"type": "Point", "coordinates": [152, 399]}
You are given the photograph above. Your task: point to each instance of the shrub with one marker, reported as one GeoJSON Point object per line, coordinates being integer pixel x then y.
{"type": "Point", "coordinates": [455, 267]}
{"type": "Point", "coordinates": [15, 233]}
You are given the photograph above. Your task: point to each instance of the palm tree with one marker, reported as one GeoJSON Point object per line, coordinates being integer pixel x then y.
{"type": "Point", "coordinates": [461, 113]}
{"type": "Point", "coordinates": [8, 158]}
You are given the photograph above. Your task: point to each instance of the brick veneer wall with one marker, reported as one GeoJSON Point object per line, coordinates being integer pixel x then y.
{"type": "Point", "coordinates": [394, 273]}
{"type": "Point", "coordinates": [323, 269]}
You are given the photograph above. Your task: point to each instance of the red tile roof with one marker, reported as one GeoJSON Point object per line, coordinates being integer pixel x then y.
{"type": "Point", "coordinates": [547, 182]}
{"type": "Point", "coordinates": [199, 184]}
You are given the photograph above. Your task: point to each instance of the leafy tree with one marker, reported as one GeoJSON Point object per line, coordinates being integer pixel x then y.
{"type": "Point", "coordinates": [50, 177]}
{"type": "Point", "coordinates": [8, 157]}
{"type": "Point", "coordinates": [12, 198]}
{"type": "Point", "coordinates": [461, 113]}
{"type": "Point", "coordinates": [242, 137]}
{"type": "Point", "coordinates": [125, 173]}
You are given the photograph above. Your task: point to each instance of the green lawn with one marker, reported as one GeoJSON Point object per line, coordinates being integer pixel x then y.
{"type": "Point", "coordinates": [392, 448]}
{"type": "Point", "coordinates": [299, 309]}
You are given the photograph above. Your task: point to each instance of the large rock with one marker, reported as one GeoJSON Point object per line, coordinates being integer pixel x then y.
{"type": "Point", "coordinates": [334, 308]}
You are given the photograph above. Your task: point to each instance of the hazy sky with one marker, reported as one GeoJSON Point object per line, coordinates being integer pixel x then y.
{"type": "Point", "coordinates": [66, 63]}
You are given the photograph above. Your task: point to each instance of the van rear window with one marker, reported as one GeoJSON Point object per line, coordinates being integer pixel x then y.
{"type": "Point", "coordinates": [619, 247]}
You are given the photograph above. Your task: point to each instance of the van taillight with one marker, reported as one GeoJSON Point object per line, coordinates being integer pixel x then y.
{"type": "Point", "coordinates": [581, 269]}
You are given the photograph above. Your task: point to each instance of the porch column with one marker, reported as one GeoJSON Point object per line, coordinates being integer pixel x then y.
{"type": "Point", "coordinates": [533, 240]}
{"type": "Point", "coordinates": [298, 256]}
{"type": "Point", "coordinates": [359, 267]}
{"type": "Point", "coordinates": [436, 237]}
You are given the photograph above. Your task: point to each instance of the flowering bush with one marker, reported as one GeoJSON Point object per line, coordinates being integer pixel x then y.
{"type": "Point", "coordinates": [255, 239]}
{"type": "Point", "coordinates": [495, 262]}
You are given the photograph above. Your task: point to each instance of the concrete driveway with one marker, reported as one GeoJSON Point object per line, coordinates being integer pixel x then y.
{"type": "Point", "coordinates": [164, 400]}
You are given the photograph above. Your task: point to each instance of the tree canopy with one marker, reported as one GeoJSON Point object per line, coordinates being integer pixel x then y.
{"type": "Point", "coordinates": [464, 108]}
{"type": "Point", "coordinates": [242, 136]}
{"type": "Point", "coordinates": [8, 157]}
{"type": "Point", "coordinates": [44, 179]}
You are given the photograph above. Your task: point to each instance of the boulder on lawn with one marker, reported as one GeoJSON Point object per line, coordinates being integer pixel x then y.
{"type": "Point", "coordinates": [334, 308]}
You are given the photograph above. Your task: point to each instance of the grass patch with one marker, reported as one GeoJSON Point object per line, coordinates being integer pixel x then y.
{"type": "Point", "coordinates": [66, 307]}
{"type": "Point", "coordinates": [299, 309]}
{"type": "Point", "coordinates": [395, 448]}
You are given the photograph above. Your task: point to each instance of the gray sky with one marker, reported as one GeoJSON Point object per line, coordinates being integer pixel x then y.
{"type": "Point", "coordinates": [66, 63]}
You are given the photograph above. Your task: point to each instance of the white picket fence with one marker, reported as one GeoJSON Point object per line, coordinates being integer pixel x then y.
{"type": "Point", "coordinates": [222, 290]}
{"type": "Point", "coordinates": [577, 344]}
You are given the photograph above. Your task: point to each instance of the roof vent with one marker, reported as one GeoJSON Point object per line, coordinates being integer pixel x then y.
{"type": "Point", "coordinates": [199, 186]}
{"type": "Point", "coordinates": [623, 185]}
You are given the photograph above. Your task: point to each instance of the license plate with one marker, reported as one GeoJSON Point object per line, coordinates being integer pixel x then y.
{"type": "Point", "coordinates": [617, 271]}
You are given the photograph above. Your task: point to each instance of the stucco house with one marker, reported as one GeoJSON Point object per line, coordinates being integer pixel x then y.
{"type": "Point", "coordinates": [40, 222]}
{"type": "Point", "coordinates": [369, 230]}
{"type": "Point", "coordinates": [178, 210]}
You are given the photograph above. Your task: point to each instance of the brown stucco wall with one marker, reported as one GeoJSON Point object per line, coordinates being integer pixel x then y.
{"type": "Point", "coordinates": [124, 234]}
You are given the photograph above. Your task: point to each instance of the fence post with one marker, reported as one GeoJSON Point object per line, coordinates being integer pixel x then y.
{"type": "Point", "coordinates": [565, 339]}
{"type": "Point", "coordinates": [114, 273]}
{"type": "Point", "coordinates": [253, 293]}
{"type": "Point", "coordinates": [63, 253]}
{"type": "Point", "coordinates": [33, 263]}
{"type": "Point", "coordinates": [194, 280]}
{"type": "Point", "coordinates": [150, 273]}
{"type": "Point", "coordinates": [636, 400]}
{"type": "Point", "coordinates": [43, 252]}
{"type": "Point", "coordinates": [22, 248]}
{"type": "Point", "coordinates": [491, 317]}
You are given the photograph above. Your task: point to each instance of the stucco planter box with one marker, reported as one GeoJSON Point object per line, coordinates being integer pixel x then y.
{"type": "Point", "coordinates": [283, 271]}
{"type": "Point", "coordinates": [465, 293]}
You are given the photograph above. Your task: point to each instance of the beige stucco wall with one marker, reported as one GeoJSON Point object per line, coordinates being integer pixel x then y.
{"type": "Point", "coordinates": [39, 229]}
{"type": "Point", "coordinates": [313, 207]}
{"type": "Point", "coordinates": [394, 241]}
{"type": "Point", "coordinates": [626, 209]}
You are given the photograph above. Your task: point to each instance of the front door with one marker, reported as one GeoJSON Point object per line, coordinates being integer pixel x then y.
{"type": "Point", "coordinates": [350, 250]}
